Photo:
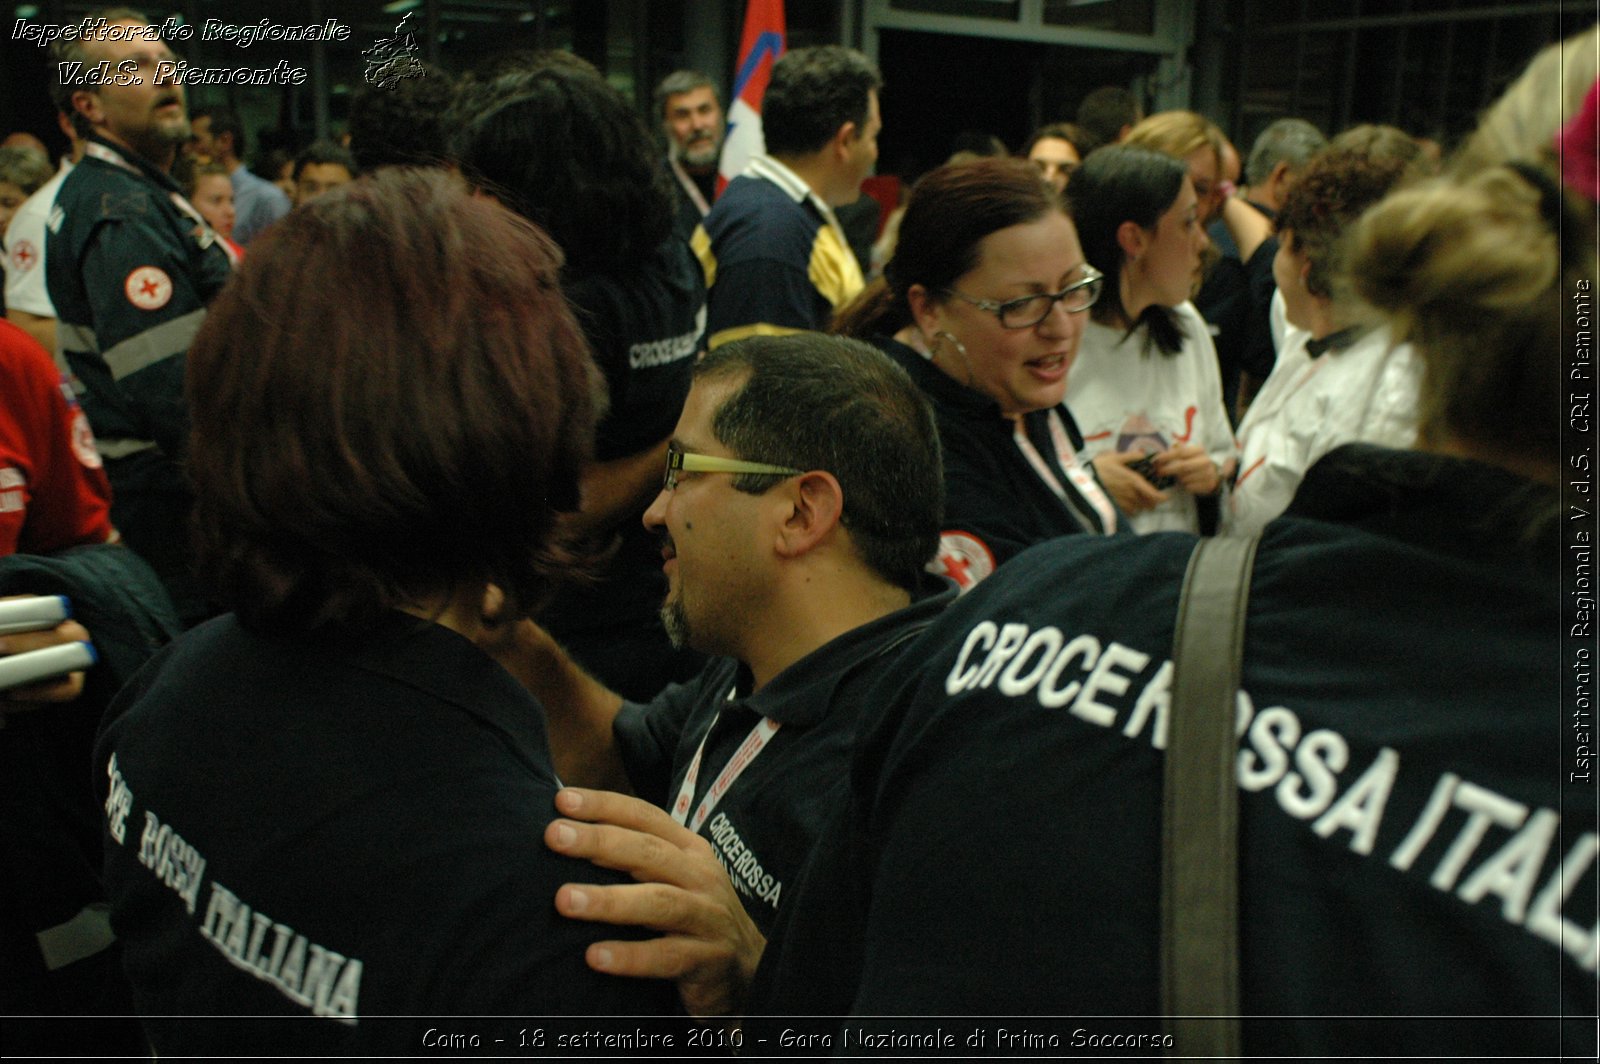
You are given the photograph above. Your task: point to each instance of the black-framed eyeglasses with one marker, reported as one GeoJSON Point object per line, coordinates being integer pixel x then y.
{"type": "Point", "coordinates": [1029, 311]}
{"type": "Point", "coordinates": [682, 461]}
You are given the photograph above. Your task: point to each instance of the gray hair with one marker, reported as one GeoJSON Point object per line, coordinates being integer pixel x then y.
{"type": "Point", "coordinates": [679, 82]}
{"type": "Point", "coordinates": [1288, 140]}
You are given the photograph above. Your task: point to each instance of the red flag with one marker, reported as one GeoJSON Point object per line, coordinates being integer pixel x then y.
{"type": "Point", "coordinates": [759, 48]}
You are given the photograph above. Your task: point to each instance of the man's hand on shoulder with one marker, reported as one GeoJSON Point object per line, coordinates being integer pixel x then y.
{"type": "Point", "coordinates": [709, 945]}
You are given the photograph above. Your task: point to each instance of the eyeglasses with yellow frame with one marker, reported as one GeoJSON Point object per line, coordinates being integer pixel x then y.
{"type": "Point", "coordinates": [682, 461]}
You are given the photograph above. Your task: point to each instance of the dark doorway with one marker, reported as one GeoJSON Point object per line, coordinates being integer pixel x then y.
{"type": "Point", "coordinates": [938, 86]}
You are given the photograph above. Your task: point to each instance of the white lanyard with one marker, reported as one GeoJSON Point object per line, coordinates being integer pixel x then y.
{"type": "Point", "coordinates": [106, 155]}
{"type": "Point", "coordinates": [753, 744]}
{"type": "Point", "coordinates": [690, 188]}
{"type": "Point", "coordinates": [206, 236]}
{"type": "Point", "coordinates": [1081, 478]}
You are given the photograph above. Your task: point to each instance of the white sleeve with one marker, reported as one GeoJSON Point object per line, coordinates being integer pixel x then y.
{"type": "Point", "coordinates": [24, 266]}
{"type": "Point", "coordinates": [1212, 430]}
{"type": "Point", "coordinates": [1391, 415]}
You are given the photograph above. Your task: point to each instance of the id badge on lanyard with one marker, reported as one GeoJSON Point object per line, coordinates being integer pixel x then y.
{"type": "Point", "coordinates": [753, 744]}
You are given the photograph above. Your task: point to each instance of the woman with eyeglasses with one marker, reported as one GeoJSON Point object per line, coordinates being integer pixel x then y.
{"type": "Point", "coordinates": [1147, 390]}
{"type": "Point", "coordinates": [984, 304]}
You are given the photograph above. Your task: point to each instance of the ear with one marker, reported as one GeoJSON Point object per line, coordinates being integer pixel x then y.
{"type": "Point", "coordinates": [924, 310]}
{"type": "Point", "coordinates": [814, 504]}
{"type": "Point", "coordinates": [87, 103]}
{"type": "Point", "coordinates": [492, 610]}
{"type": "Point", "coordinates": [844, 139]}
{"type": "Point", "coordinates": [1132, 239]}
{"type": "Point", "coordinates": [1279, 180]}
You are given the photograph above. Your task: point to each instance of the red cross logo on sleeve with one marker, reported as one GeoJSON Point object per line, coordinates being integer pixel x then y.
{"type": "Point", "coordinates": [964, 558]}
{"type": "Point", "coordinates": [23, 256]}
{"type": "Point", "coordinates": [148, 288]}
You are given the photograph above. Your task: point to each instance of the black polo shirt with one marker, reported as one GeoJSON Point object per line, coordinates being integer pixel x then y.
{"type": "Point", "coordinates": [993, 494]}
{"type": "Point", "coordinates": [766, 823]}
{"type": "Point", "coordinates": [645, 325]}
{"type": "Point", "coordinates": [303, 837]}
{"type": "Point", "coordinates": [1405, 808]}
{"type": "Point", "coordinates": [1236, 301]}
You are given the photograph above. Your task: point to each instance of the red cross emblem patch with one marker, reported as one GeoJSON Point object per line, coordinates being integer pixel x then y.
{"type": "Point", "coordinates": [24, 256]}
{"type": "Point", "coordinates": [964, 558]}
{"type": "Point", "coordinates": [148, 288]}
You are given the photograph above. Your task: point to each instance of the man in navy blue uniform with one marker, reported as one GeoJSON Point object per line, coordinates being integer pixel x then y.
{"type": "Point", "coordinates": [775, 256]}
{"type": "Point", "coordinates": [800, 510]}
{"type": "Point", "coordinates": [131, 266]}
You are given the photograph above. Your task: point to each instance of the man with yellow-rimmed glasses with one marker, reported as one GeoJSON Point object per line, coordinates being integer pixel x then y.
{"type": "Point", "coordinates": [800, 507]}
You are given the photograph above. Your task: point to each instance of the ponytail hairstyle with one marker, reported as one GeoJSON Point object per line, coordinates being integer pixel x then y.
{"type": "Point", "coordinates": [1119, 184]}
{"type": "Point", "coordinates": [1479, 274]}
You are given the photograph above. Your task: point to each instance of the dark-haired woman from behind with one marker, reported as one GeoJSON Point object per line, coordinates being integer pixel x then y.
{"type": "Point", "coordinates": [551, 140]}
{"type": "Point", "coordinates": [325, 808]}
{"type": "Point", "coordinates": [983, 304]}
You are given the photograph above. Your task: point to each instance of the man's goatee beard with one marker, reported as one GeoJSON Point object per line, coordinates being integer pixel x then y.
{"type": "Point", "coordinates": [675, 623]}
{"type": "Point", "coordinates": [701, 158]}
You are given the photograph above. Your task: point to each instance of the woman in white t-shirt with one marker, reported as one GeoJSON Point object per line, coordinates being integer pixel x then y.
{"type": "Point", "coordinates": [1146, 390]}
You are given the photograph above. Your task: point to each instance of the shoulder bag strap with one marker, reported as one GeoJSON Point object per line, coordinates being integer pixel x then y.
{"type": "Point", "coordinates": [1200, 872]}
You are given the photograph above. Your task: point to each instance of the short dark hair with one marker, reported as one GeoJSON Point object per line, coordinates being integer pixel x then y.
{"type": "Point", "coordinates": [949, 213]}
{"type": "Point", "coordinates": [223, 121]}
{"type": "Point", "coordinates": [76, 50]}
{"type": "Point", "coordinates": [324, 153]}
{"type": "Point", "coordinates": [812, 93]}
{"type": "Point", "coordinates": [1081, 142]}
{"type": "Point", "coordinates": [1117, 184]}
{"type": "Point", "coordinates": [402, 123]}
{"type": "Point", "coordinates": [561, 147]}
{"type": "Point", "coordinates": [811, 401]}
{"type": "Point", "coordinates": [1288, 140]}
{"type": "Point", "coordinates": [679, 82]}
{"type": "Point", "coordinates": [1104, 112]}
{"type": "Point", "coordinates": [269, 163]}
{"type": "Point", "coordinates": [412, 429]}
{"type": "Point", "coordinates": [1334, 190]}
